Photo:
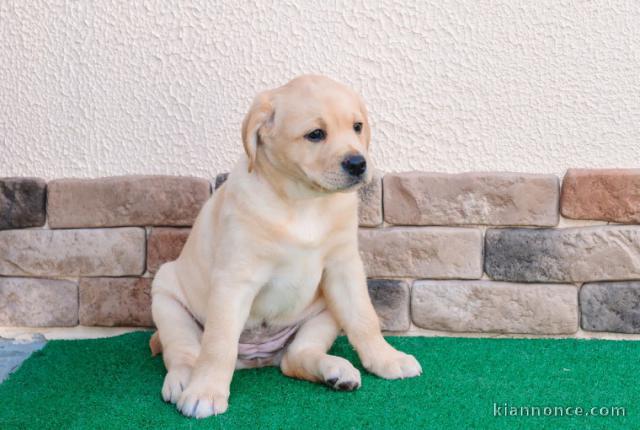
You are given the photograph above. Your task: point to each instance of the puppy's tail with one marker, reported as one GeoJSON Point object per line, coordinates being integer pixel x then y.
{"type": "Point", "coordinates": [155, 344]}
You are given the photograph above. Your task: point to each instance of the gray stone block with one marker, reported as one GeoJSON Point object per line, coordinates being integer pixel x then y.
{"type": "Point", "coordinates": [221, 178]}
{"type": "Point", "coordinates": [611, 306]}
{"type": "Point", "coordinates": [390, 298]}
{"type": "Point", "coordinates": [563, 255]}
{"type": "Point", "coordinates": [22, 202]}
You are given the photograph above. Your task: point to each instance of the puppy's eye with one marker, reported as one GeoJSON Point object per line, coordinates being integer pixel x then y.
{"type": "Point", "coordinates": [357, 127]}
{"type": "Point", "coordinates": [316, 135]}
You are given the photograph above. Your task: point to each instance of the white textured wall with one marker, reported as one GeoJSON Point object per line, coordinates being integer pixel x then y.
{"type": "Point", "coordinates": [115, 87]}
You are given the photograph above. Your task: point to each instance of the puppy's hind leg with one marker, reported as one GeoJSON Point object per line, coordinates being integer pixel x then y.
{"type": "Point", "coordinates": [178, 332]}
{"type": "Point", "coordinates": [306, 357]}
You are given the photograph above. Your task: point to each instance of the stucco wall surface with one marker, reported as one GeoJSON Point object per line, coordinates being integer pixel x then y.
{"type": "Point", "coordinates": [117, 87]}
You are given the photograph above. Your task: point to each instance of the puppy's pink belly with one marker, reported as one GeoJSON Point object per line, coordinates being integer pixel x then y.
{"type": "Point", "coordinates": [264, 351]}
{"type": "Point", "coordinates": [263, 345]}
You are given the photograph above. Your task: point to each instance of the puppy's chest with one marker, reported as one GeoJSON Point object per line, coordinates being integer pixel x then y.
{"type": "Point", "coordinates": [304, 233]}
{"type": "Point", "coordinates": [291, 287]}
{"type": "Point", "coordinates": [297, 265]}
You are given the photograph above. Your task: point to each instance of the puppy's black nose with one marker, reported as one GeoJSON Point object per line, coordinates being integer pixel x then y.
{"type": "Point", "coordinates": [355, 165]}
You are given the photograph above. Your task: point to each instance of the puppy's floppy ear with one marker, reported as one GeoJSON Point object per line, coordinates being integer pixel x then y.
{"type": "Point", "coordinates": [260, 115]}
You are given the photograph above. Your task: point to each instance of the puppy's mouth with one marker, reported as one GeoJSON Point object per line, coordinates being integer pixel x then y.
{"type": "Point", "coordinates": [337, 183]}
{"type": "Point", "coordinates": [352, 184]}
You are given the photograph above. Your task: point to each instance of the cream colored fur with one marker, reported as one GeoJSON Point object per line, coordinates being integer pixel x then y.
{"type": "Point", "coordinates": [276, 244]}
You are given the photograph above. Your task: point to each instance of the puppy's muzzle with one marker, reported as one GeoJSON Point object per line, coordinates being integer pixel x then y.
{"type": "Point", "coordinates": [355, 165]}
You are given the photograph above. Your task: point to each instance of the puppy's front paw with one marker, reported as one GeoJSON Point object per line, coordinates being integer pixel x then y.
{"type": "Point", "coordinates": [175, 382]}
{"type": "Point", "coordinates": [339, 374]}
{"type": "Point", "coordinates": [200, 400]}
{"type": "Point", "coordinates": [395, 365]}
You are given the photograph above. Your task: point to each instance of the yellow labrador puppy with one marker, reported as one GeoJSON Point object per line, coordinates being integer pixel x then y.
{"type": "Point", "coordinates": [271, 272]}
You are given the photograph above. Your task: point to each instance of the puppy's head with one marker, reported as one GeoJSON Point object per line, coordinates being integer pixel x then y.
{"type": "Point", "coordinates": [312, 130]}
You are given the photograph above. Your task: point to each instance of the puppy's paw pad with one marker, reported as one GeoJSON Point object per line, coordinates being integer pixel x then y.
{"type": "Point", "coordinates": [347, 385]}
{"type": "Point", "coordinates": [339, 374]}
{"type": "Point", "coordinates": [174, 384]}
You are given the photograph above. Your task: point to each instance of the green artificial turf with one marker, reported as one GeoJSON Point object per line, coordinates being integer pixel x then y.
{"type": "Point", "coordinates": [115, 383]}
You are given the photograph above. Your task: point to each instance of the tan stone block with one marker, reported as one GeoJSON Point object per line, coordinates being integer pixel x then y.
{"type": "Point", "coordinates": [602, 194]}
{"type": "Point", "coordinates": [370, 205]}
{"type": "Point", "coordinates": [83, 252]}
{"type": "Point", "coordinates": [126, 200]}
{"type": "Point", "coordinates": [496, 307]}
{"type": "Point", "coordinates": [164, 244]}
{"type": "Point", "coordinates": [33, 302]}
{"type": "Point", "coordinates": [115, 302]}
{"type": "Point", "coordinates": [417, 198]}
{"type": "Point", "coordinates": [432, 252]}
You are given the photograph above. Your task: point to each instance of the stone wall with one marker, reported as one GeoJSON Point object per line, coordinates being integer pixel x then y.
{"type": "Point", "coordinates": [467, 253]}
